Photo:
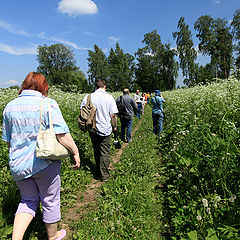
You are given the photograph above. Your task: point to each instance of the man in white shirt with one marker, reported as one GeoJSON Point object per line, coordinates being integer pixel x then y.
{"type": "Point", "coordinates": [101, 139]}
{"type": "Point", "coordinates": [138, 101]}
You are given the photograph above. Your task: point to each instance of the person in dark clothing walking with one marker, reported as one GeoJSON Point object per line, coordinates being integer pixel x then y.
{"type": "Point", "coordinates": [127, 116]}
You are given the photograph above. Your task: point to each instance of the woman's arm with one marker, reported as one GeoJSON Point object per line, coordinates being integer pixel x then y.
{"type": "Point", "coordinates": [66, 140]}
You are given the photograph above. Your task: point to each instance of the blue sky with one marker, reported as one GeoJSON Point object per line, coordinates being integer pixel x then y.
{"type": "Point", "coordinates": [26, 24]}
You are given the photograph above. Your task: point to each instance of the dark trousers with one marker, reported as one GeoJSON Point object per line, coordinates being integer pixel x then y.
{"type": "Point", "coordinates": [101, 147]}
{"type": "Point", "coordinates": [157, 123]}
{"type": "Point", "coordinates": [126, 123]}
{"type": "Point", "coordinates": [139, 109]}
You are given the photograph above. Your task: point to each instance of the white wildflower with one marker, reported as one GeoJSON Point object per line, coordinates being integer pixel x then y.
{"type": "Point", "coordinates": [205, 202]}
{"type": "Point", "coordinates": [217, 198]}
{"type": "Point", "coordinates": [232, 198]}
{"type": "Point", "coordinates": [199, 218]}
{"type": "Point", "coordinates": [209, 210]}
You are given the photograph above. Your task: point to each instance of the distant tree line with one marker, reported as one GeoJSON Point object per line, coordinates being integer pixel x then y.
{"type": "Point", "coordinates": [156, 65]}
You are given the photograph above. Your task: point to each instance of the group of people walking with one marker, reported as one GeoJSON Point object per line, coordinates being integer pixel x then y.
{"type": "Point", "coordinates": [39, 179]}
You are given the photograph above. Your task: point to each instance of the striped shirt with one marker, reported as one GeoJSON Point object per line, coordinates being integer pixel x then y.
{"type": "Point", "coordinates": [21, 122]}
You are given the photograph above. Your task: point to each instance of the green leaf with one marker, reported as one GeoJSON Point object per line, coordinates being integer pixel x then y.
{"type": "Point", "coordinates": [211, 234]}
{"type": "Point", "coordinates": [192, 235]}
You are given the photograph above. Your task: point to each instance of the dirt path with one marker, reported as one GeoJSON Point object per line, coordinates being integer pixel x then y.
{"type": "Point", "coordinates": [76, 212]}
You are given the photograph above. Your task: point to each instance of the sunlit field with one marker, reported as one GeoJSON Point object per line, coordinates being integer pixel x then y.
{"type": "Point", "coordinates": [181, 185]}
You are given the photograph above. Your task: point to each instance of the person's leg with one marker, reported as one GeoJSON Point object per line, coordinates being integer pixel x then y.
{"type": "Point", "coordinates": [26, 208]}
{"type": "Point", "coordinates": [48, 181]}
{"type": "Point", "coordinates": [96, 149]}
{"type": "Point", "coordinates": [52, 232]}
{"type": "Point", "coordinates": [155, 118]}
{"type": "Point", "coordinates": [123, 127]}
{"type": "Point", "coordinates": [105, 147]}
{"type": "Point", "coordinates": [129, 130]}
{"type": "Point", "coordinates": [139, 110]}
{"type": "Point", "coordinates": [20, 225]}
{"type": "Point", "coordinates": [160, 124]}
{"type": "Point", "coordinates": [143, 109]}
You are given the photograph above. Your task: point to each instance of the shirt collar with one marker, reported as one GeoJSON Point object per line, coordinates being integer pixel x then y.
{"type": "Point", "coordinates": [29, 92]}
{"type": "Point", "coordinates": [100, 90]}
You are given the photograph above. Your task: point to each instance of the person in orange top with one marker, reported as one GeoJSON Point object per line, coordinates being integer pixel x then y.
{"type": "Point", "coordinates": [148, 97]}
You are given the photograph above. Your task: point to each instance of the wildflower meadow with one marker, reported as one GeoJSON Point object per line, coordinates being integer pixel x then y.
{"type": "Point", "coordinates": [181, 185]}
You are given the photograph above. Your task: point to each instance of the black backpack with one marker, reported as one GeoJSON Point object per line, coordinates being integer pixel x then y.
{"type": "Point", "coordinates": [121, 106]}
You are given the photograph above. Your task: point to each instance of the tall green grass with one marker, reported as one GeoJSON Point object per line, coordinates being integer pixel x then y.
{"type": "Point", "coordinates": [201, 154]}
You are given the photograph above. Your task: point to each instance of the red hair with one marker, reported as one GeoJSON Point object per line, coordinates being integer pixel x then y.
{"type": "Point", "coordinates": [35, 81]}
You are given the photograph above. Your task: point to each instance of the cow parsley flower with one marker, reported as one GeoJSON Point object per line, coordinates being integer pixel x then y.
{"type": "Point", "coordinates": [205, 202]}
{"type": "Point", "coordinates": [199, 218]}
{"type": "Point", "coordinates": [232, 198]}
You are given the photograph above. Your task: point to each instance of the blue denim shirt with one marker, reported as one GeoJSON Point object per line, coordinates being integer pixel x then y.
{"type": "Point", "coordinates": [157, 105]}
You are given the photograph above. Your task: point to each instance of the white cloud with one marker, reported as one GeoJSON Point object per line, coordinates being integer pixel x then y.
{"type": "Point", "coordinates": [18, 50]}
{"type": "Point", "coordinates": [12, 82]}
{"type": "Point", "coordinates": [12, 29]}
{"type": "Point", "coordinates": [77, 7]}
{"type": "Point", "coordinates": [216, 1]}
{"type": "Point", "coordinates": [113, 39]}
{"type": "Point", "coordinates": [74, 45]}
{"type": "Point", "coordinates": [4, 84]}
{"type": "Point", "coordinates": [89, 34]}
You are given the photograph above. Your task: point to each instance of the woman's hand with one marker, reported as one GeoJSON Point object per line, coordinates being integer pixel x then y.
{"type": "Point", "coordinates": [66, 140]}
{"type": "Point", "coordinates": [77, 161]}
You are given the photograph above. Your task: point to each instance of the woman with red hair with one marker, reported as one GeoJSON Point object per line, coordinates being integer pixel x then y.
{"type": "Point", "coordinates": [37, 179]}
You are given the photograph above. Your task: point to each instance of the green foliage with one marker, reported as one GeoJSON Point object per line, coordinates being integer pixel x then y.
{"type": "Point", "coordinates": [156, 67]}
{"type": "Point", "coordinates": [187, 53]}
{"type": "Point", "coordinates": [55, 61]}
{"type": "Point", "coordinates": [98, 66]}
{"type": "Point", "coordinates": [216, 41]}
{"type": "Point", "coordinates": [235, 24]}
{"type": "Point", "coordinates": [200, 146]}
{"type": "Point", "coordinates": [120, 69]}
{"type": "Point", "coordinates": [183, 185]}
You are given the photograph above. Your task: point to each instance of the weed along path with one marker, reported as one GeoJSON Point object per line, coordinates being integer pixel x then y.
{"type": "Point", "coordinates": [87, 201]}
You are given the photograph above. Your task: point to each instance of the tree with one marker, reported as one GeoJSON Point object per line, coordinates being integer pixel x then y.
{"type": "Point", "coordinates": [73, 81]}
{"type": "Point", "coordinates": [204, 74]}
{"type": "Point", "coordinates": [236, 34]}
{"type": "Point", "coordinates": [98, 66]}
{"type": "Point", "coordinates": [156, 67]}
{"type": "Point", "coordinates": [54, 61]}
{"type": "Point", "coordinates": [120, 69]}
{"type": "Point", "coordinates": [215, 41]}
{"type": "Point", "coordinates": [186, 52]}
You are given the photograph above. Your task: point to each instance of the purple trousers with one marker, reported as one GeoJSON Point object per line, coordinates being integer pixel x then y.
{"type": "Point", "coordinates": [43, 187]}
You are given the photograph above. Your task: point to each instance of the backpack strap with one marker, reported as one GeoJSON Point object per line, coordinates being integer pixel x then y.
{"type": "Point", "coordinates": [88, 100]}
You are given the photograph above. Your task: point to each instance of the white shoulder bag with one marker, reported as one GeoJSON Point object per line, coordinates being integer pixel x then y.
{"type": "Point", "coordinates": [47, 146]}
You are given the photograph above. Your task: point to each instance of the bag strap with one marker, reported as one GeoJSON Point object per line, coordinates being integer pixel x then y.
{"type": "Point", "coordinates": [88, 100]}
{"type": "Point", "coordinates": [41, 104]}
{"type": "Point", "coordinates": [49, 112]}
